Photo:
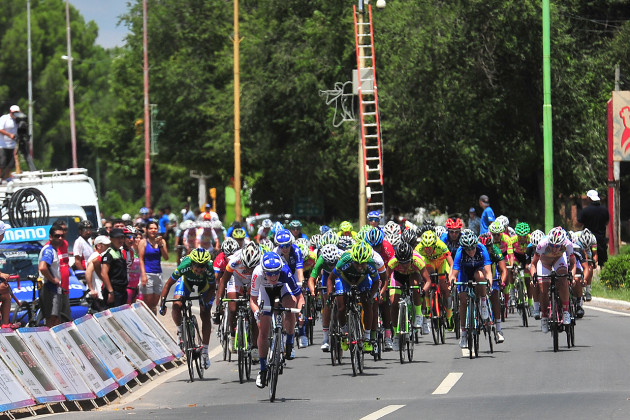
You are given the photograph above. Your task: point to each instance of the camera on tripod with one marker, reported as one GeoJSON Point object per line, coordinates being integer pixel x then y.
{"type": "Point", "coordinates": [23, 139]}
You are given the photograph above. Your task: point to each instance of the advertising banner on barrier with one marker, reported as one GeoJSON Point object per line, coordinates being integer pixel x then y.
{"type": "Point", "coordinates": [142, 334]}
{"type": "Point", "coordinates": [12, 394]}
{"type": "Point", "coordinates": [51, 356]}
{"type": "Point", "coordinates": [157, 328]}
{"type": "Point", "coordinates": [27, 368]}
{"type": "Point", "coordinates": [103, 346]}
{"type": "Point", "coordinates": [90, 367]}
{"type": "Point", "coordinates": [124, 341]}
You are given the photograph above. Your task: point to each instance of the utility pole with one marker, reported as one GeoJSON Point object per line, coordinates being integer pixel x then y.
{"type": "Point", "coordinates": [30, 80]}
{"type": "Point", "coordinates": [547, 120]}
{"type": "Point", "coordinates": [237, 118]}
{"type": "Point", "coordinates": [73, 130]}
{"type": "Point", "coordinates": [147, 136]}
{"type": "Point", "coordinates": [362, 189]}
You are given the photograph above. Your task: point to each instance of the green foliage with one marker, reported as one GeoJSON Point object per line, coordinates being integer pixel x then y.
{"type": "Point", "coordinates": [615, 274]}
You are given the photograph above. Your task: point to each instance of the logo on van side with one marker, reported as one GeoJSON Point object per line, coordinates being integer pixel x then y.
{"type": "Point", "coordinates": [35, 233]}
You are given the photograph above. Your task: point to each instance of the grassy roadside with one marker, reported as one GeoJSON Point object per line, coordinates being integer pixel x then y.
{"type": "Point", "coordinates": [599, 290]}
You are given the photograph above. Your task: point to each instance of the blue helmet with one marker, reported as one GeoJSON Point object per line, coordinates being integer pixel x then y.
{"type": "Point", "coordinates": [283, 237]}
{"type": "Point", "coordinates": [271, 262]}
{"type": "Point", "coordinates": [323, 229]}
{"type": "Point", "coordinates": [374, 214]}
{"type": "Point", "coordinates": [277, 227]}
{"type": "Point", "coordinates": [144, 210]}
{"type": "Point", "coordinates": [375, 236]}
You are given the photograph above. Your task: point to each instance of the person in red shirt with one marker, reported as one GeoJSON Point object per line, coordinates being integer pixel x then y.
{"type": "Point", "coordinates": [64, 259]}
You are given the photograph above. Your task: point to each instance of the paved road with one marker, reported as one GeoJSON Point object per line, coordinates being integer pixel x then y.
{"type": "Point", "coordinates": [524, 378]}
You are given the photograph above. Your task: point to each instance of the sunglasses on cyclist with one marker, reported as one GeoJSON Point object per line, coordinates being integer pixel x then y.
{"type": "Point", "coordinates": [470, 248]}
{"type": "Point", "coordinates": [284, 246]}
{"type": "Point", "coordinates": [404, 262]}
{"type": "Point", "coordinates": [272, 274]}
{"type": "Point", "coordinates": [454, 230]}
{"type": "Point", "coordinates": [197, 265]}
{"type": "Point", "coordinates": [373, 219]}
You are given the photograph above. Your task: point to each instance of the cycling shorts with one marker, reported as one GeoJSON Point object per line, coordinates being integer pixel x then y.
{"type": "Point", "coordinates": [342, 286]}
{"type": "Point", "coordinates": [236, 285]}
{"type": "Point", "coordinates": [439, 266]}
{"type": "Point", "coordinates": [524, 259]}
{"type": "Point", "coordinates": [466, 274]}
{"type": "Point", "coordinates": [184, 289]}
{"type": "Point", "coordinates": [268, 295]}
{"type": "Point", "coordinates": [544, 271]}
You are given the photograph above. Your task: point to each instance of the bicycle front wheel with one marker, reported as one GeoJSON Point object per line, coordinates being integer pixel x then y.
{"type": "Point", "coordinates": [553, 323]}
{"type": "Point", "coordinates": [240, 331]}
{"type": "Point", "coordinates": [435, 322]}
{"type": "Point", "coordinates": [274, 367]}
{"type": "Point", "coordinates": [198, 346]}
{"type": "Point", "coordinates": [189, 349]}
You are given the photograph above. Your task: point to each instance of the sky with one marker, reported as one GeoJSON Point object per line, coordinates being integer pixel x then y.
{"type": "Point", "coordinates": [105, 13]}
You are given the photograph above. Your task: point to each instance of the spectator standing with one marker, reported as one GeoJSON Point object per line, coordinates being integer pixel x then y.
{"type": "Point", "coordinates": [595, 218]}
{"type": "Point", "coordinates": [114, 271]}
{"type": "Point", "coordinates": [5, 289]}
{"type": "Point", "coordinates": [133, 272]}
{"type": "Point", "coordinates": [151, 251]}
{"type": "Point", "coordinates": [487, 216]}
{"type": "Point", "coordinates": [82, 249]}
{"type": "Point", "coordinates": [474, 223]}
{"type": "Point", "coordinates": [64, 258]}
{"type": "Point", "coordinates": [187, 213]}
{"type": "Point", "coordinates": [53, 295]}
{"type": "Point", "coordinates": [8, 134]}
{"type": "Point", "coordinates": [163, 222]}
{"type": "Point", "coordinates": [93, 277]}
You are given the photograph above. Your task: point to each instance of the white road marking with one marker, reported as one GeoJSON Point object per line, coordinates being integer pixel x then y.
{"type": "Point", "coordinates": [448, 383]}
{"type": "Point", "coordinates": [382, 412]}
{"type": "Point", "coordinates": [608, 311]}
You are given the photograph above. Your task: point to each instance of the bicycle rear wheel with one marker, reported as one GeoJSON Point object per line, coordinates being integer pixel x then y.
{"type": "Point", "coordinates": [402, 341]}
{"type": "Point", "coordinates": [198, 346]}
{"type": "Point", "coordinates": [241, 350]}
{"type": "Point", "coordinates": [410, 345]}
{"type": "Point", "coordinates": [188, 345]}
{"type": "Point", "coordinates": [489, 328]}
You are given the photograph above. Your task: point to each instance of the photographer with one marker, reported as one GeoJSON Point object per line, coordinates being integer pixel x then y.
{"type": "Point", "coordinates": [8, 131]}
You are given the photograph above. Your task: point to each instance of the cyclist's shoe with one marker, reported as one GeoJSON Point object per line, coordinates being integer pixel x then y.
{"type": "Point", "coordinates": [484, 312]}
{"type": "Point", "coordinates": [255, 357]}
{"type": "Point", "coordinates": [512, 297]}
{"type": "Point", "coordinates": [261, 379]}
{"type": "Point", "coordinates": [450, 325]}
{"type": "Point", "coordinates": [205, 360]}
{"type": "Point", "coordinates": [566, 318]}
{"type": "Point", "coordinates": [290, 352]}
{"type": "Point", "coordinates": [388, 345]}
{"type": "Point", "coordinates": [536, 313]}
{"type": "Point", "coordinates": [500, 338]}
{"type": "Point", "coordinates": [367, 347]}
{"type": "Point", "coordinates": [216, 318]}
{"type": "Point", "coordinates": [325, 347]}
{"type": "Point", "coordinates": [587, 295]}
{"type": "Point", "coordinates": [417, 323]}
{"type": "Point", "coordinates": [544, 325]}
{"type": "Point", "coordinates": [579, 312]}
{"type": "Point", "coordinates": [396, 343]}
{"type": "Point", "coordinates": [426, 328]}
{"type": "Point", "coordinates": [344, 343]}
{"type": "Point", "coordinates": [303, 341]}
{"type": "Point", "coordinates": [463, 341]}
{"type": "Point", "coordinates": [232, 345]}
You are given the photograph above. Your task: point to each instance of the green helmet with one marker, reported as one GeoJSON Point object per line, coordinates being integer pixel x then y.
{"type": "Point", "coordinates": [199, 256]}
{"type": "Point", "coordinates": [428, 239]}
{"type": "Point", "coordinates": [361, 252]}
{"type": "Point", "coordinates": [345, 226]}
{"type": "Point", "coordinates": [496, 227]}
{"type": "Point", "coordinates": [329, 237]}
{"type": "Point", "coordinates": [522, 229]}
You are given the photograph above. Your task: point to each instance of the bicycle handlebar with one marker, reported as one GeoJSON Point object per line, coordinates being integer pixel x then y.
{"type": "Point", "coordinates": [280, 308]}
{"type": "Point", "coordinates": [182, 298]}
{"type": "Point", "coordinates": [473, 283]}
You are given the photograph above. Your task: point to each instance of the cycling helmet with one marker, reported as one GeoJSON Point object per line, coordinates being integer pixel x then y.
{"type": "Point", "coordinates": [428, 224]}
{"type": "Point", "coordinates": [454, 223]}
{"type": "Point", "coordinates": [428, 239]}
{"type": "Point", "coordinates": [557, 236]}
{"type": "Point", "coordinates": [361, 252]}
{"type": "Point", "coordinates": [361, 235]}
{"type": "Point", "coordinates": [394, 240]}
{"type": "Point", "coordinates": [302, 241]}
{"type": "Point", "coordinates": [283, 237]}
{"type": "Point", "coordinates": [511, 231]}
{"type": "Point", "coordinates": [329, 237]}
{"type": "Point", "coordinates": [267, 223]}
{"type": "Point", "coordinates": [522, 229]}
{"type": "Point", "coordinates": [486, 239]}
{"type": "Point", "coordinates": [131, 230]}
{"type": "Point", "coordinates": [468, 239]}
{"type": "Point", "coordinates": [306, 252]}
{"type": "Point", "coordinates": [330, 254]}
{"type": "Point", "coordinates": [229, 246]}
{"type": "Point", "coordinates": [207, 216]}
{"type": "Point", "coordinates": [85, 224]}
{"type": "Point", "coordinates": [504, 221]}
{"type": "Point", "coordinates": [345, 226]}
{"type": "Point", "coordinates": [496, 227]}
{"type": "Point", "coordinates": [323, 229]}
{"type": "Point", "coordinates": [375, 237]}
{"type": "Point", "coordinates": [409, 236]}
{"type": "Point", "coordinates": [277, 227]}
{"type": "Point", "coordinates": [295, 224]}
{"type": "Point", "coordinates": [314, 241]}
{"type": "Point", "coordinates": [573, 237]}
{"type": "Point", "coordinates": [199, 256]}
{"type": "Point", "coordinates": [144, 210]}
{"type": "Point", "coordinates": [345, 243]}
{"type": "Point", "coordinates": [440, 230]}
{"type": "Point", "coordinates": [404, 252]}
{"type": "Point", "coordinates": [392, 227]}
{"type": "Point", "coordinates": [271, 262]}
{"type": "Point", "coordinates": [126, 217]}
{"type": "Point", "coordinates": [265, 245]}
{"type": "Point", "coordinates": [536, 236]}
{"type": "Point", "coordinates": [374, 214]}
{"type": "Point", "coordinates": [587, 239]}
{"type": "Point", "coordinates": [250, 255]}
{"type": "Point", "coordinates": [238, 233]}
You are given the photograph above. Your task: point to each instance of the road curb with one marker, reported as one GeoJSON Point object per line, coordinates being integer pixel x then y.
{"type": "Point", "coordinates": [609, 303]}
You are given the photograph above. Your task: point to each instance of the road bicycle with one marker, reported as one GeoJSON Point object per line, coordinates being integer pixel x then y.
{"type": "Point", "coordinates": [407, 333]}
{"type": "Point", "coordinates": [335, 335]}
{"type": "Point", "coordinates": [473, 317]}
{"type": "Point", "coordinates": [191, 336]}
{"type": "Point", "coordinates": [223, 332]}
{"type": "Point", "coordinates": [243, 337]}
{"type": "Point", "coordinates": [438, 309]}
{"type": "Point", "coordinates": [520, 292]}
{"type": "Point", "coordinates": [275, 358]}
{"type": "Point", "coordinates": [555, 313]}
{"type": "Point", "coordinates": [355, 329]}
{"type": "Point", "coordinates": [28, 313]}
{"type": "Point", "coordinates": [309, 315]}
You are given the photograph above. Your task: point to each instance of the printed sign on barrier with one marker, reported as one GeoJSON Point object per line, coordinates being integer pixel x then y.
{"type": "Point", "coordinates": [26, 368]}
{"type": "Point", "coordinates": [12, 394]}
{"type": "Point", "coordinates": [130, 348]}
{"type": "Point", "coordinates": [157, 328]}
{"type": "Point", "coordinates": [91, 369]}
{"type": "Point", "coordinates": [103, 346]}
{"type": "Point", "coordinates": [51, 356]}
{"type": "Point", "coordinates": [142, 334]}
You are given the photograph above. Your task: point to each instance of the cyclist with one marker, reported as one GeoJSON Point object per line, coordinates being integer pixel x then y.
{"type": "Point", "coordinates": [504, 242]}
{"type": "Point", "coordinates": [228, 248]}
{"type": "Point", "coordinates": [374, 218]}
{"type": "Point", "coordinates": [376, 238]}
{"type": "Point", "coordinates": [292, 256]}
{"type": "Point", "coordinates": [295, 227]}
{"type": "Point", "coordinates": [345, 229]}
{"type": "Point", "coordinates": [308, 257]}
{"type": "Point", "coordinates": [520, 243]}
{"type": "Point", "coordinates": [207, 238]}
{"type": "Point", "coordinates": [241, 232]}
{"type": "Point", "coordinates": [328, 257]}
{"type": "Point", "coordinates": [355, 267]}
{"type": "Point", "coordinates": [589, 244]}
{"type": "Point", "coordinates": [535, 237]}
{"type": "Point", "coordinates": [236, 282]}
{"type": "Point", "coordinates": [451, 238]}
{"type": "Point", "coordinates": [195, 270]}
{"type": "Point", "coordinates": [471, 261]}
{"type": "Point", "coordinates": [438, 259]}
{"type": "Point", "coordinates": [271, 279]}
{"type": "Point", "coordinates": [581, 267]}
{"type": "Point", "coordinates": [554, 252]}
{"type": "Point", "coordinates": [406, 267]}
{"type": "Point", "coordinates": [263, 230]}
{"type": "Point", "coordinates": [500, 275]}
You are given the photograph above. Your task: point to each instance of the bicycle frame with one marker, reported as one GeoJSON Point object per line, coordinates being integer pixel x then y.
{"type": "Point", "coordinates": [191, 336]}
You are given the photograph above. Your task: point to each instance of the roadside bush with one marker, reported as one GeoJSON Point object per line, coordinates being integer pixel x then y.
{"type": "Point", "coordinates": [615, 273]}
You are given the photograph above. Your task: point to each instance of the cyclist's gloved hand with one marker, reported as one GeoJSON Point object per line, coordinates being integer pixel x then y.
{"type": "Point", "coordinates": [163, 309]}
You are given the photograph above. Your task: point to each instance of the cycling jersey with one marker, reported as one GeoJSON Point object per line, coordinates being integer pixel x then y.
{"type": "Point", "coordinates": [451, 245]}
{"type": "Point", "coordinates": [294, 260]}
{"type": "Point", "coordinates": [520, 247]}
{"type": "Point", "coordinates": [386, 251]}
{"type": "Point", "coordinates": [467, 265]}
{"type": "Point", "coordinates": [220, 262]}
{"type": "Point", "coordinates": [326, 269]}
{"type": "Point", "coordinates": [416, 266]}
{"type": "Point", "coordinates": [496, 256]}
{"type": "Point", "coordinates": [240, 274]}
{"type": "Point", "coordinates": [260, 284]}
{"type": "Point", "coordinates": [505, 244]}
{"type": "Point", "coordinates": [436, 255]}
{"type": "Point", "coordinates": [346, 272]}
{"type": "Point", "coordinates": [549, 255]}
{"type": "Point", "coordinates": [185, 272]}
